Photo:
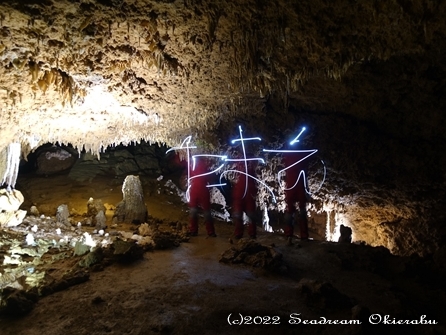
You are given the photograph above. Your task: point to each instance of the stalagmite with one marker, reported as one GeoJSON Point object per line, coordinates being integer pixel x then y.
{"type": "Point", "coordinates": [62, 215]}
{"type": "Point", "coordinates": [100, 220]}
{"type": "Point", "coordinates": [132, 208]}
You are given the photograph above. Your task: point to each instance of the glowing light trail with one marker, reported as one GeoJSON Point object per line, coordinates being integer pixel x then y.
{"type": "Point", "coordinates": [187, 141]}
{"type": "Point", "coordinates": [296, 139]}
{"type": "Point", "coordinates": [185, 145]}
{"type": "Point", "coordinates": [302, 172]}
{"type": "Point", "coordinates": [311, 152]}
{"type": "Point", "coordinates": [256, 179]}
{"type": "Point", "coordinates": [223, 157]}
{"type": "Point", "coordinates": [323, 179]}
{"type": "Point", "coordinates": [214, 156]}
{"type": "Point", "coordinates": [242, 140]}
{"type": "Point", "coordinates": [187, 148]}
{"type": "Point", "coordinates": [247, 159]}
{"type": "Point", "coordinates": [245, 139]}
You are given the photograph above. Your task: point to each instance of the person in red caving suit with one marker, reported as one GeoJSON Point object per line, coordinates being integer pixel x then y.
{"type": "Point", "coordinates": [199, 196]}
{"type": "Point", "coordinates": [296, 192]}
{"type": "Point", "coordinates": [244, 199]}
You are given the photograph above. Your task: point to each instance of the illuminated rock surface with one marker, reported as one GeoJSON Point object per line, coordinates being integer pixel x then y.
{"type": "Point", "coordinates": [161, 70]}
{"type": "Point", "coordinates": [366, 78]}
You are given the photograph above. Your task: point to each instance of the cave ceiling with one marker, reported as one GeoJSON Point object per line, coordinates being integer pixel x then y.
{"type": "Point", "coordinates": [96, 73]}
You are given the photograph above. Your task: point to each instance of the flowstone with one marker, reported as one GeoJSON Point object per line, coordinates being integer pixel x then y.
{"type": "Point", "coordinates": [10, 214]}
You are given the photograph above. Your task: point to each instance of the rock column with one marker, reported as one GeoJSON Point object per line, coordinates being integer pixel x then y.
{"type": "Point", "coordinates": [132, 208]}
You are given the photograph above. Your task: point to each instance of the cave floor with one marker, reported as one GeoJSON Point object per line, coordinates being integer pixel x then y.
{"type": "Point", "coordinates": [186, 290]}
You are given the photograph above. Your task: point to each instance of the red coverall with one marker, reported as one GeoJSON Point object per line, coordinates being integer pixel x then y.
{"type": "Point", "coordinates": [296, 194]}
{"type": "Point", "coordinates": [245, 202]}
{"type": "Point", "coordinates": [200, 196]}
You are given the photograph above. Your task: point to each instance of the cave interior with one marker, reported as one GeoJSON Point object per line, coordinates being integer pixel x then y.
{"type": "Point", "coordinates": [93, 91]}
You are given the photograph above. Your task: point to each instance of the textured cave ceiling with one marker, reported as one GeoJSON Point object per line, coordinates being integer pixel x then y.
{"type": "Point", "coordinates": [100, 72]}
{"type": "Point", "coordinates": [367, 76]}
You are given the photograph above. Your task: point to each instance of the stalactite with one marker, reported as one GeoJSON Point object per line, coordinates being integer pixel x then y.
{"type": "Point", "coordinates": [9, 164]}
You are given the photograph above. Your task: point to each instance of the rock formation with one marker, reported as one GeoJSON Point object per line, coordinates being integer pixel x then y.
{"type": "Point", "coordinates": [132, 208]}
{"type": "Point", "coordinates": [10, 214]}
{"type": "Point", "coordinates": [367, 77]}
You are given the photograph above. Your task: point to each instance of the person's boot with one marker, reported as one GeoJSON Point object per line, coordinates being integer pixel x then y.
{"type": "Point", "coordinates": [289, 228]}
{"type": "Point", "coordinates": [252, 230]}
{"type": "Point", "coordinates": [209, 224]}
{"type": "Point", "coordinates": [252, 227]}
{"type": "Point", "coordinates": [193, 223]}
{"type": "Point", "coordinates": [238, 231]}
{"type": "Point", "coordinates": [303, 226]}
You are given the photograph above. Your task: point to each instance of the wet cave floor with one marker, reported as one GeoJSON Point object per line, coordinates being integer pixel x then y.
{"type": "Point", "coordinates": [204, 285]}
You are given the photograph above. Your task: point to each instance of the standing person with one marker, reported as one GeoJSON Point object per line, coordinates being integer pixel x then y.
{"type": "Point", "coordinates": [244, 199]}
{"type": "Point", "coordinates": [296, 167]}
{"type": "Point", "coordinates": [199, 196]}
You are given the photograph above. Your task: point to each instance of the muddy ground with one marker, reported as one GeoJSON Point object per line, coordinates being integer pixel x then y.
{"type": "Point", "coordinates": [188, 289]}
